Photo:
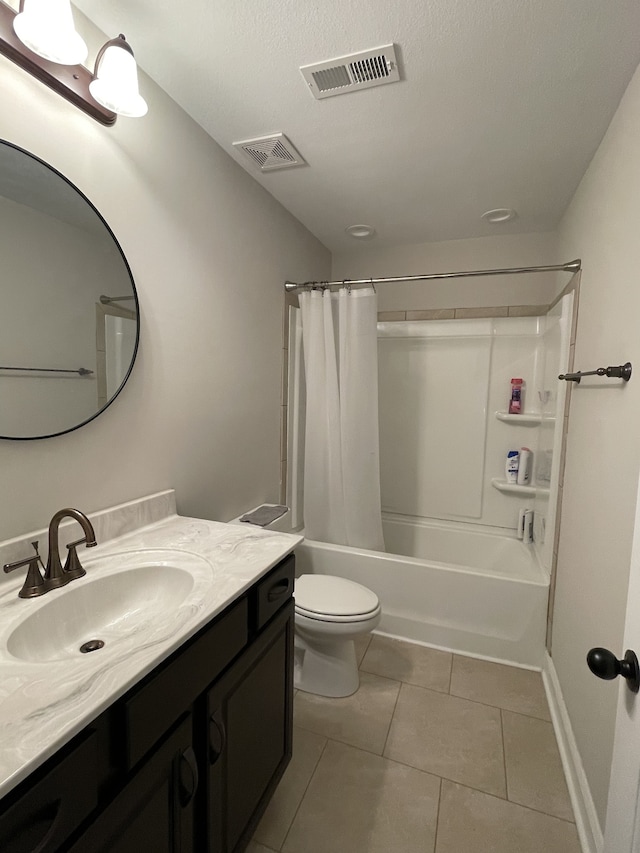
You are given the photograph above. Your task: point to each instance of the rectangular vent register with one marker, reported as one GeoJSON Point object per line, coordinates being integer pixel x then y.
{"type": "Point", "coordinates": [344, 74]}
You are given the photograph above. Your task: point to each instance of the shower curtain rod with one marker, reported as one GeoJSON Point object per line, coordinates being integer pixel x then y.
{"type": "Point", "coordinates": [572, 266]}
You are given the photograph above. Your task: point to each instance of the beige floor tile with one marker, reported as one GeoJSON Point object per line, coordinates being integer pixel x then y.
{"type": "Point", "coordinates": [408, 662]}
{"type": "Point", "coordinates": [361, 720]}
{"type": "Point", "coordinates": [508, 687]}
{"type": "Point", "coordinates": [254, 847]}
{"type": "Point", "coordinates": [307, 749]}
{"type": "Point", "coordinates": [362, 644]}
{"type": "Point", "coordinates": [362, 803]}
{"type": "Point", "coordinates": [473, 822]}
{"type": "Point", "coordinates": [448, 736]}
{"type": "Point", "coordinates": [534, 771]}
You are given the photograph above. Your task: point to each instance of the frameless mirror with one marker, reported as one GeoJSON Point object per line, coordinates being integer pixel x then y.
{"type": "Point", "coordinates": [69, 324]}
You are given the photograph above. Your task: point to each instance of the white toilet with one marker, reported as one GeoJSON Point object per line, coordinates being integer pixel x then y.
{"type": "Point", "coordinates": [330, 612]}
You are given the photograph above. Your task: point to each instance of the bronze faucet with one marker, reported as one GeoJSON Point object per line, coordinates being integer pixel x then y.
{"type": "Point", "coordinates": [55, 574]}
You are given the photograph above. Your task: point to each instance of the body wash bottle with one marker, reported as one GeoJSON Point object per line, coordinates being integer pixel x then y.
{"type": "Point", "coordinates": [516, 401]}
{"type": "Point", "coordinates": [525, 466]}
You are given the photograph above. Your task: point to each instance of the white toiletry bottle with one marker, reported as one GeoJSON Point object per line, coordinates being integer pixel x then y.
{"type": "Point", "coordinates": [521, 519]}
{"type": "Point", "coordinates": [525, 466]}
{"type": "Point", "coordinates": [511, 469]}
{"type": "Point", "coordinates": [528, 526]}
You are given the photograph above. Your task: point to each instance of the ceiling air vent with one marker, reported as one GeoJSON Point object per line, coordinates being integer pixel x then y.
{"type": "Point", "coordinates": [350, 73]}
{"type": "Point", "coordinates": [269, 153]}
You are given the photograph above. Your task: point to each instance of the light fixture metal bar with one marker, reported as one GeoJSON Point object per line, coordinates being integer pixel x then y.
{"type": "Point", "coordinates": [70, 81]}
{"type": "Point", "coordinates": [572, 266]}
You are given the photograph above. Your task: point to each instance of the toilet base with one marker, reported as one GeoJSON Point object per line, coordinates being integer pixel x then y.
{"type": "Point", "coordinates": [326, 668]}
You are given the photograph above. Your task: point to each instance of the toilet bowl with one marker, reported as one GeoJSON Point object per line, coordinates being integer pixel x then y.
{"type": "Point", "coordinates": [330, 612]}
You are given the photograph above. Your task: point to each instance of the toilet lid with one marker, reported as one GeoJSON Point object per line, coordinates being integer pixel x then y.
{"type": "Point", "coordinates": [333, 597]}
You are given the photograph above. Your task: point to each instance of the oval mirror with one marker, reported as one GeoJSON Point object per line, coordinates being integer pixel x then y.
{"type": "Point", "coordinates": [69, 324]}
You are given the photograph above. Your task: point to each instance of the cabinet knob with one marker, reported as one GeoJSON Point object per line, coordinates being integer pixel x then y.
{"type": "Point", "coordinates": [604, 664]}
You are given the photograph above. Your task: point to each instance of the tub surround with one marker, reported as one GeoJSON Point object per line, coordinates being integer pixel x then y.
{"type": "Point", "coordinates": [43, 705]}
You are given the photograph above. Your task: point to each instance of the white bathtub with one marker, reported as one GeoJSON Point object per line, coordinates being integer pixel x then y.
{"type": "Point", "coordinates": [475, 592]}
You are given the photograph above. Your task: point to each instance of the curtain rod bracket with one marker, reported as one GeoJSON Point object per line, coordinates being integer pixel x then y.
{"type": "Point", "coordinates": [622, 371]}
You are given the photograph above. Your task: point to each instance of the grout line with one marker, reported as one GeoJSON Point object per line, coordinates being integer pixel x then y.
{"type": "Point", "coordinates": [352, 745]}
{"type": "Point", "coordinates": [393, 713]}
{"type": "Point", "coordinates": [435, 837]}
{"type": "Point", "coordinates": [456, 696]}
{"type": "Point", "coordinates": [442, 778]}
{"type": "Point", "coordinates": [430, 773]}
{"type": "Point", "coordinates": [304, 794]}
{"type": "Point", "coordinates": [504, 755]}
{"type": "Point", "coordinates": [510, 802]}
{"type": "Point", "coordinates": [421, 686]}
{"type": "Point", "coordinates": [364, 654]}
{"type": "Point", "coordinates": [448, 692]}
{"type": "Point", "coordinates": [539, 811]}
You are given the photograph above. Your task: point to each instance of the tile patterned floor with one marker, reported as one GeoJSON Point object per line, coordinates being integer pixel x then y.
{"type": "Point", "coordinates": [435, 753]}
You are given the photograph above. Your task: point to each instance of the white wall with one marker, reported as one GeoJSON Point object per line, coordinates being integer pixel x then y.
{"type": "Point", "coordinates": [440, 386]}
{"type": "Point", "coordinates": [209, 250]}
{"type": "Point", "coordinates": [499, 252]}
{"type": "Point", "coordinates": [603, 450]}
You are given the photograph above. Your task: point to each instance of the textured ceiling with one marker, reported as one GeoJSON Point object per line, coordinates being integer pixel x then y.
{"type": "Point", "coordinates": [502, 103]}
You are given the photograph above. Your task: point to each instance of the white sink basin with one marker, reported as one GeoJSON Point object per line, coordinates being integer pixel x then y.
{"type": "Point", "coordinates": [124, 604]}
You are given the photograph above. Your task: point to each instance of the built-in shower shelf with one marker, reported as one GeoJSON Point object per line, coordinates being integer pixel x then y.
{"type": "Point", "coordinates": [525, 419]}
{"type": "Point", "coordinates": [515, 489]}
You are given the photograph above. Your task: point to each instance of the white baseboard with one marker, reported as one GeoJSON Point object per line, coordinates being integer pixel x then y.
{"type": "Point", "coordinates": [584, 809]}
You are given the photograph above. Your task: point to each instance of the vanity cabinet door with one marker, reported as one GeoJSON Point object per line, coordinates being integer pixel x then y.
{"type": "Point", "coordinates": [249, 718]}
{"type": "Point", "coordinates": [154, 810]}
{"type": "Point", "coordinates": [40, 815]}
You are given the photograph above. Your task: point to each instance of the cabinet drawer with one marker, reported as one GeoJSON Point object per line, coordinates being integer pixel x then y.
{"type": "Point", "coordinates": [274, 590]}
{"type": "Point", "coordinates": [156, 705]}
{"type": "Point", "coordinates": [43, 816]}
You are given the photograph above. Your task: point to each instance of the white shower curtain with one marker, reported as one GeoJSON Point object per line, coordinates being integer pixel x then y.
{"type": "Point", "coordinates": [341, 466]}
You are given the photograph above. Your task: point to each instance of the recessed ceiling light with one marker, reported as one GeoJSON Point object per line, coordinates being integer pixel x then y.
{"type": "Point", "coordinates": [499, 214]}
{"type": "Point", "coordinates": [361, 232]}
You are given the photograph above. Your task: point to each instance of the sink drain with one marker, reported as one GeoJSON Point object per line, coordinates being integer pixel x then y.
{"type": "Point", "coordinates": [91, 646]}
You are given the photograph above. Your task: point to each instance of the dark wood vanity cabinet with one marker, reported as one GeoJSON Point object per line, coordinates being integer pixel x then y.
{"type": "Point", "coordinates": [249, 717]}
{"type": "Point", "coordinates": [187, 761]}
{"type": "Point", "coordinates": [155, 809]}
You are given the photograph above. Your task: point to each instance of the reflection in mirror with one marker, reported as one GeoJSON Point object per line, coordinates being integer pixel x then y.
{"type": "Point", "coordinates": [69, 320]}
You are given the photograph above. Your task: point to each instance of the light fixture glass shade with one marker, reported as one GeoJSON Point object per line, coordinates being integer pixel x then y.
{"type": "Point", "coordinates": [116, 83]}
{"type": "Point", "coordinates": [46, 27]}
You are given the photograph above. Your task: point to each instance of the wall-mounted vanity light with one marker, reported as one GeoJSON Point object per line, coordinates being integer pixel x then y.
{"type": "Point", "coordinates": [41, 38]}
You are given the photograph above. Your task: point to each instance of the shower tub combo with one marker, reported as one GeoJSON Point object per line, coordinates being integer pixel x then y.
{"type": "Point", "coordinates": [475, 592]}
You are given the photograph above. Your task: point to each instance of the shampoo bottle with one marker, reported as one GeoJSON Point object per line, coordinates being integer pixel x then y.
{"type": "Point", "coordinates": [511, 470]}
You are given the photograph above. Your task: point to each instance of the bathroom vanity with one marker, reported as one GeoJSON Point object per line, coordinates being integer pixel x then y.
{"type": "Point", "coordinates": [184, 754]}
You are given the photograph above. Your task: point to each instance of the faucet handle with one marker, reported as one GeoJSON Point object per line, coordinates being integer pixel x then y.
{"type": "Point", "coordinates": [34, 545]}
{"type": "Point", "coordinates": [72, 566]}
{"type": "Point", "coordinates": [34, 584]}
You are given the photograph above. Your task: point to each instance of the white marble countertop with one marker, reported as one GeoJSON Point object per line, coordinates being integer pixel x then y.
{"type": "Point", "coordinates": [43, 705]}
